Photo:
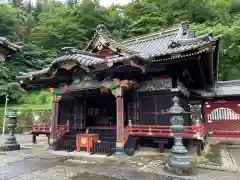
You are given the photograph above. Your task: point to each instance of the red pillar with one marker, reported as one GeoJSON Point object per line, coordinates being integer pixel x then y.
{"type": "Point", "coordinates": [118, 93]}
{"type": "Point", "coordinates": [54, 119]}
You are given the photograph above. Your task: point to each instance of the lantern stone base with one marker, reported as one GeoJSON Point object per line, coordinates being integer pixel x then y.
{"type": "Point", "coordinates": [10, 144]}
{"type": "Point", "coordinates": [185, 170]}
{"type": "Point", "coordinates": [120, 152]}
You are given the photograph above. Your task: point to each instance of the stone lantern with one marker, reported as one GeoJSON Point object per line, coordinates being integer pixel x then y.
{"type": "Point", "coordinates": [178, 161]}
{"type": "Point", "coordinates": [10, 142]}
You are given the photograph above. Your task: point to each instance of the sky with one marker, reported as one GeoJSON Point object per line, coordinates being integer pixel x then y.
{"type": "Point", "coordinates": [110, 2]}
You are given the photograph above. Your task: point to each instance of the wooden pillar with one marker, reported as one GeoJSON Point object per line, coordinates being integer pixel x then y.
{"type": "Point", "coordinates": [54, 119]}
{"type": "Point", "coordinates": [118, 93]}
{"type": "Point", "coordinates": [34, 139]}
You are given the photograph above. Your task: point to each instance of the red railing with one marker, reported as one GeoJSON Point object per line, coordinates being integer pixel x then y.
{"type": "Point", "coordinates": [43, 128]}
{"type": "Point", "coordinates": [61, 130]}
{"type": "Point", "coordinates": [152, 130]}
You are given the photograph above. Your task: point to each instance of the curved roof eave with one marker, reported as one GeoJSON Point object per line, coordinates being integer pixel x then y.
{"type": "Point", "coordinates": [6, 43]}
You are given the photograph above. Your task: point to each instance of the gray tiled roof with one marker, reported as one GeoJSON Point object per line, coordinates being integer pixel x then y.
{"type": "Point", "coordinates": [81, 59]}
{"type": "Point", "coordinates": [153, 44]}
{"type": "Point", "coordinates": [6, 43]}
{"type": "Point", "coordinates": [162, 44]}
{"type": "Point", "coordinates": [222, 89]}
{"type": "Point", "coordinates": [153, 47]}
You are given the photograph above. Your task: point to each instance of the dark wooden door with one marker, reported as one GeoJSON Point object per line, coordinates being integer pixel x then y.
{"type": "Point", "coordinates": [151, 107]}
{"type": "Point", "coordinates": [79, 112]}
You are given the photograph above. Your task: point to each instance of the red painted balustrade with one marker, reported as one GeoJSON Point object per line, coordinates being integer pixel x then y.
{"type": "Point", "coordinates": [154, 130]}
{"type": "Point", "coordinates": [43, 128]}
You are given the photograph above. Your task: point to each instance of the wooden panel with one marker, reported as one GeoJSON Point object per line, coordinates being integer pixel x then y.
{"type": "Point", "coordinates": [65, 111]}
{"type": "Point", "coordinates": [104, 52]}
{"type": "Point", "coordinates": [132, 106]}
{"type": "Point", "coordinates": [151, 107]}
{"type": "Point", "coordinates": [152, 104]}
{"type": "Point", "coordinates": [79, 114]}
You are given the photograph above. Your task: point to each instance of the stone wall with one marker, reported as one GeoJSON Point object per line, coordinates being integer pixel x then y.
{"type": "Point", "coordinates": [27, 117]}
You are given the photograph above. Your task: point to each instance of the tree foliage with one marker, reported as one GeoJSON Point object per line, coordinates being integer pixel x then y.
{"type": "Point", "coordinates": [45, 27]}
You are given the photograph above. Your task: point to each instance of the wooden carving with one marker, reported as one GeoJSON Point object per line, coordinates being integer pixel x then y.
{"type": "Point", "coordinates": [125, 84]}
{"type": "Point", "coordinates": [183, 89]}
{"type": "Point", "coordinates": [68, 65]}
{"type": "Point", "coordinates": [155, 85]}
{"type": "Point", "coordinates": [196, 117]}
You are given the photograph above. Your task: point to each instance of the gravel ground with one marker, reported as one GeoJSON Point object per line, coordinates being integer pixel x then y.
{"type": "Point", "coordinates": [35, 162]}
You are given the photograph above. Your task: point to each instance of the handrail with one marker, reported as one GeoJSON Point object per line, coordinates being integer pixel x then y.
{"type": "Point", "coordinates": [189, 131]}
{"type": "Point", "coordinates": [132, 129]}
{"type": "Point", "coordinates": [101, 127]}
{"type": "Point", "coordinates": [60, 129]}
{"type": "Point", "coordinates": [63, 129]}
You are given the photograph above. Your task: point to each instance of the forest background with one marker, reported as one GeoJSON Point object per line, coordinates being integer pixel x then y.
{"type": "Point", "coordinates": [46, 26]}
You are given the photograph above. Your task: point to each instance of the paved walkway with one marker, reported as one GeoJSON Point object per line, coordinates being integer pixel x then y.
{"type": "Point", "coordinates": [23, 139]}
{"type": "Point", "coordinates": [35, 162]}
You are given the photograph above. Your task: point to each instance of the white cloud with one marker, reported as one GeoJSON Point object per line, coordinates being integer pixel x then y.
{"type": "Point", "coordinates": [110, 2]}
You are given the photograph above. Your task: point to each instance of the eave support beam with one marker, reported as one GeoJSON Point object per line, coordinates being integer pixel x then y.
{"type": "Point", "coordinates": [144, 67]}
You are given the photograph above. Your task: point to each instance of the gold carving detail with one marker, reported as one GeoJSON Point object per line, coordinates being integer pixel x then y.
{"type": "Point", "coordinates": [125, 84]}
{"type": "Point", "coordinates": [68, 65]}
{"type": "Point", "coordinates": [84, 141]}
{"type": "Point", "coordinates": [117, 92]}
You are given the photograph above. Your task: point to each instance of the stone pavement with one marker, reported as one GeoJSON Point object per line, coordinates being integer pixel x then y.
{"type": "Point", "coordinates": [35, 162]}
{"type": "Point", "coordinates": [24, 138]}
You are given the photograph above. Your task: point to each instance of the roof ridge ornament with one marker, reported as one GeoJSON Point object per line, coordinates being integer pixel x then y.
{"type": "Point", "coordinates": [101, 27]}
{"type": "Point", "coordinates": [185, 41]}
{"type": "Point", "coordinates": [185, 28]}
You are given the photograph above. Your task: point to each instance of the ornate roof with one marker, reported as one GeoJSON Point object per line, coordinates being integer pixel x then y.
{"type": "Point", "coordinates": [174, 43]}
{"type": "Point", "coordinates": [103, 37]}
{"type": "Point", "coordinates": [4, 42]}
{"type": "Point", "coordinates": [222, 89]}
{"type": "Point", "coordinates": [82, 58]}
{"type": "Point", "coordinates": [155, 47]}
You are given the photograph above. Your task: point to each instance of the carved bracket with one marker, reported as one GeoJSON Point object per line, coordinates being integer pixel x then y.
{"type": "Point", "coordinates": [155, 85]}
{"type": "Point", "coordinates": [68, 65]}
{"type": "Point", "coordinates": [118, 92]}
{"type": "Point", "coordinates": [117, 83]}
{"type": "Point", "coordinates": [197, 113]}
{"type": "Point", "coordinates": [135, 64]}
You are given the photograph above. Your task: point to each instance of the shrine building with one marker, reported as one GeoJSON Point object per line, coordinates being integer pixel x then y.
{"type": "Point", "coordinates": [109, 96]}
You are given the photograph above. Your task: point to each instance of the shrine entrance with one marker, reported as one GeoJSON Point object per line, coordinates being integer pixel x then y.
{"type": "Point", "coordinates": [100, 111]}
